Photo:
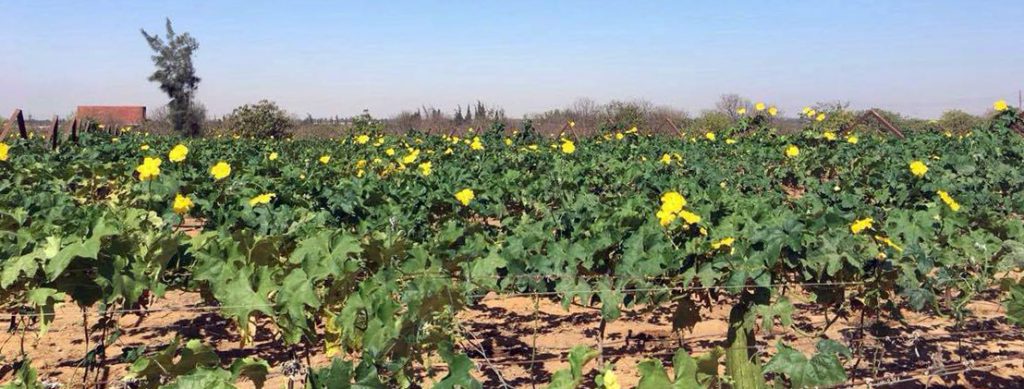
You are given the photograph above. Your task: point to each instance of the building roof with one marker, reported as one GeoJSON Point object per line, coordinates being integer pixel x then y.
{"type": "Point", "coordinates": [123, 115]}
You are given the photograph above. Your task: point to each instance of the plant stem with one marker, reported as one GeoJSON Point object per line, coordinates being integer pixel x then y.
{"type": "Point", "coordinates": [739, 364]}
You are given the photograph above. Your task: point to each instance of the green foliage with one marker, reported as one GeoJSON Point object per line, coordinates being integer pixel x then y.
{"type": "Point", "coordinates": [572, 377]}
{"type": "Point", "coordinates": [194, 365]}
{"type": "Point", "coordinates": [822, 369]}
{"type": "Point", "coordinates": [713, 121]}
{"type": "Point", "coordinates": [263, 120]}
{"type": "Point", "coordinates": [25, 377]}
{"type": "Point", "coordinates": [376, 259]}
{"type": "Point", "coordinates": [958, 122]}
{"type": "Point", "coordinates": [689, 372]}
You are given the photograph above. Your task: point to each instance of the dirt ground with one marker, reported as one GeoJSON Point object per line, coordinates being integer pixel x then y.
{"type": "Point", "coordinates": [519, 346]}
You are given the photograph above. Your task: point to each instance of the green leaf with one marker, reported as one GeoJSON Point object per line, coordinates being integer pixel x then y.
{"type": "Point", "coordinates": [822, 369]}
{"type": "Point", "coordinates": [44, 300]}
{"type": "Point", "coordinates": [782, 308]}
{"type": "Point", "coordinates": [13, 268]}
{"type": "Point", "coordinates": [337, 375]}
{"type": "Point", "coordinates": [174, 361]}
{"type": "Point", "coordinates": [203, 378]}
{"type": "Point", "coordinates": [572, 377]}
{"type": "Point", "coordinates": [460, 368]}
{"type": "Point", "coordinates": [484, 271]}
{"type": "Point", "coordinates": [253, 368]}
{"type": "Point", "coordinates": [24, 378]}
{"type": "Point", "coordinates": [295, 294]}
{"type": "Point", "coordinates": [653, 375]}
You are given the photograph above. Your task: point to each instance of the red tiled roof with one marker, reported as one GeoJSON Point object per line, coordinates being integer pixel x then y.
{"type": "Point", "coordinates": [125, 115]}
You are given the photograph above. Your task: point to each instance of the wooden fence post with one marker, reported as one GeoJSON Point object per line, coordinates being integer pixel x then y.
{"type": "Point", "coordinates": [16, 119]}
{"type": "Point", "coordinates": [674, 126]}
{"type": "Point", "coordinates": [20, 119]}
{"type": "Point", "coordinates": [871, 113]}
{"type": "Point", "coordinates": [55, 133]}
{"type": "Point", "coordinates": [74, 130]}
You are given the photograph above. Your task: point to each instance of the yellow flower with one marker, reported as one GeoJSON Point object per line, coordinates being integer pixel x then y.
{"type": "Point", "coordinates": [465, 196]}
{"type": "Point", "coordinates": [689, 217]}
{"type": "Point", "coordinates": [725, 242]}
{"type": "Point", "coordinates": [425, 168]}
{"type": "Point", "coordinates": [411, 157]}
{"type": "Point", "coordinates": [811, 113]}
{"type": "Point", "coordinates": [888, 242]}
{"type": "Point", "coordinates": [149, 169]}
{"type": "Point", "coordinates": [792, 151]}
{"type": "Point", "coordinates": [476, 144]}
{"type": "Point", "coordinates": [806, 110]}
{"type": "Point", "coordinates": [632, 130]}
{"type": "Point", "coordinates": [861, 225]}
{"type": "Point", "coordinates": [272, 156]}
{"type": "Point", "coordinates": [946, 198]}
{"type": "Point", "coordinates": [610, 381]}
{"type": "Point", "coordinates": [178, 153]}
{"type": "Point", "coordinates": [572, 124]}
{"type": "Point", "coordinates": [261, 199]}
{"type": "Point", "coordinates": [672, 202]}
{"type": "Point", "coordinates": [619, 136]}
{"type": "Point", "coordinates": [918, 168]}
{"type": "Point", "coordinates": [389, 152]}
{"type": "Point", "coordinates": [709, 135]}
{"type": "Point", "coordinates": [568, 147]}
{"type": "Point", "coordinates": [362, 139]}
{"type": "Point", "coordinates": [144, 147]}
{"type": "Point", "coordinates": [324, 159]}
{"type": "Point", "coordinates": [730, 141]}
{"type": "Point", "coordinates": [741, 111]}
{"type": "Point", "coordinates": [773, 111]}
{"type": "Point", "coordinates": [665, 218]}
{"type": "Point", "coordinates": [1000, 105]}
{"type": "Point", "coordinates": [448, 151]}
{"type": "Point", "coordinates": [820, 117]}
{"type": "Point", "coordinates": [182, 204]}
{"type": "Point", "coordinates": [829, 135]}
{"type": "Point", "coordinates": [4, 150]}
{"type": "Point", "coordinates": [852, 139]}
{"type": "Point", "coordinates": [759, 106]}
{"type": "Point", "coordinates": [220, 170]}
{"type": "Point", "coordinates": [666, 159]}
{"type": "Point", "coordinates": [508, 142]}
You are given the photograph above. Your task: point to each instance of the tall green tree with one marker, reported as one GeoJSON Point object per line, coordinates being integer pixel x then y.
{"type": "Point", "coordinates": [177, 77]}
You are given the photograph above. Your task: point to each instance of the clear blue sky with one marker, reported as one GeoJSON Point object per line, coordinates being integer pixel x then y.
{"type": "Point", "coordinates": [327, 58]}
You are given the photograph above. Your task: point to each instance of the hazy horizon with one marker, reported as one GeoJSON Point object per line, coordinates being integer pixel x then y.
{"type": "Point", "coordinates": [919, 58]}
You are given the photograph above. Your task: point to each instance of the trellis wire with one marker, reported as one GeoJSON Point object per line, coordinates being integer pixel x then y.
{"type": "Point", "coordinates": [499, 295]}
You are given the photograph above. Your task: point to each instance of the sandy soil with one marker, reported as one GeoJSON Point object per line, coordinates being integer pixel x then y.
{"type": "Point", "coordinates": [520, 346]}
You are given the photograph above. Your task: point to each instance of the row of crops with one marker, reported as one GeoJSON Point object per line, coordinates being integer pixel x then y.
{"type": "Point", "coordinates": [369, 245]}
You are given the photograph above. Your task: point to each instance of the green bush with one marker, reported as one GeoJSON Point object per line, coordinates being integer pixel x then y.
{"type": "Point", "coordinates": [958, 122]}
{"type": "Point", "coordinates": [712, 121]}
{"type": "Point", "coordinates": [263, 119]}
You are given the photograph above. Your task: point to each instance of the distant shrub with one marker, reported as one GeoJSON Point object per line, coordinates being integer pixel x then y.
{"type": "Point", "coordinates": [623, 115]}
{"type": "Point", "coordinates": [263, 119]}
{"type": "Point", "coordinates": [958, 122]}
{"type": "Point", "coordinates": [712, 121]}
